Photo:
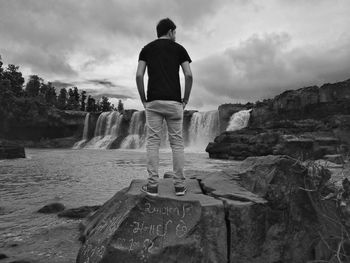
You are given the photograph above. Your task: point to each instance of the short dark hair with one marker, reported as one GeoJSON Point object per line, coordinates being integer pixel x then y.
{"type": "Point", "coordinates": [164, 26]}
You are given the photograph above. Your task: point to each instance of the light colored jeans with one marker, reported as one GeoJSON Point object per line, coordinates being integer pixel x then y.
{"type": "Point", "coordinates": [172, 112]}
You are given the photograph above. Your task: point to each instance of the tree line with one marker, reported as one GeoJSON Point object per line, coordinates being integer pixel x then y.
{"type": "Point", "coordinates": [12, 86]}
{"type": "Point", "coordinates": [25, 103]}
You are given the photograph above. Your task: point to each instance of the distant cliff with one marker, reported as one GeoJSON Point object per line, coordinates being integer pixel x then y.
{"type": "Point", "coordinates": [312, 118]}
{"type": "Point", "coordinates": [48, 123]}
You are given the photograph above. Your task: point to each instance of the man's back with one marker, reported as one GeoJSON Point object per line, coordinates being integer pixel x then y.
{"type": "Point", "coordinates": [163, 58]}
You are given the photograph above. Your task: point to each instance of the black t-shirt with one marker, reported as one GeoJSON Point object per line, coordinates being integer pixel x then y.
{"type": "Point", "coordinates": [163, 58]}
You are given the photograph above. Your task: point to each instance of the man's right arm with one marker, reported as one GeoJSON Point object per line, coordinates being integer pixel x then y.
{"type": "Point", "coordinates": [141, 68]}
{"type": "Point", "coordinates": [186, 69]}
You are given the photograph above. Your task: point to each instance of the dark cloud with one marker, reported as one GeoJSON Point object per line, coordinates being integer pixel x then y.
{"type": "Point", "coordinates": [264, 66]}
{"type": "Point", "coordinates": [102, 82]}
{"type": "Point", "coordinates": [42, 35]}
{"type": "Point", "coordinates": [98, 94]}
{"type": "Point", "coordinates": [61, 84]}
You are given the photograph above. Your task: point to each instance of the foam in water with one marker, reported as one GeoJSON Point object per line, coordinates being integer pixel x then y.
{"type": "Point", "coordinates": [239, 120]}
{"type": "Point", "coordinates": [85, 138]}
{"type": "Point", "coordinates": [136, 133]}
{"type": "Point", "coordinates": [106, 131]}
{"type": "Point", "coordinates": [204, 128]}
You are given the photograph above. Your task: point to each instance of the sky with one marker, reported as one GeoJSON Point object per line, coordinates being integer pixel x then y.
{"type": "Point", "coordinates": [242, 50]}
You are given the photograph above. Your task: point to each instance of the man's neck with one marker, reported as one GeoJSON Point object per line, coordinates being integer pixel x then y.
{"type": "Point", "coordinates": [164, 37]}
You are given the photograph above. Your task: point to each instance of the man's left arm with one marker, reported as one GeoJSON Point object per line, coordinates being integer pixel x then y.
{"type": "Point", "coordinates": [141, 68]}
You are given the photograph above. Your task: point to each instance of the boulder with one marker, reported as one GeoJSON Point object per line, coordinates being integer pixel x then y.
{"type": "Point", "coordinates": [11, 150]}
{"type": "Point", "coordinates": [51, 208]}
{"type": "Point", "coordinates": [77, 213]}
{"type": "Point", "coordinates": [334, 158]}
{"type": "Point", "coordinates": [133, 227]}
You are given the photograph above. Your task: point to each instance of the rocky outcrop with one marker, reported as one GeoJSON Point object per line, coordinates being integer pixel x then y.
{"type": "Point", "coordinates": [267, 209]}
{"type": "Point", "coordinates": [50, 123]}
{"type": "Point", "coordinates": [11, 150]}
{"type": "Point", "coordinates": [290, 118]}
{"type": "Point", "coordinates": [132, 227]}
{"type": "Point", "coordinates": [51, 208]}
{"type": "Point", "coordinates": [227, 110]}
{"type": "Point", "coordinates": [238, 145]}
{"type": "Point", "coordinates": [77, 213]}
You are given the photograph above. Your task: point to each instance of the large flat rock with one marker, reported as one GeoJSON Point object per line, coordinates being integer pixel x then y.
{"type": "Point", "coordinates": [134, 227]}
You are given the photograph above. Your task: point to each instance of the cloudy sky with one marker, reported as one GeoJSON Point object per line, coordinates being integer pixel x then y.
{"type": "Point", "coordinates": [242, 50]}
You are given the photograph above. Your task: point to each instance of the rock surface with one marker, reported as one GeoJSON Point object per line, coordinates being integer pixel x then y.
{"type": "Point", "coordinates": [132, 227]}
{"type": "Point", "coordinates": [258, 211]}
{"type": "Point", "coordinates": [77, 213]}
{"type": "Point", "coordinates": [50, 123]}
{"type": "Point", "coordinates": [51, 208]}
{"type": "Point", "coordinates": [290, 116]}
{"type": "Point", "coordinates": [11, 150]}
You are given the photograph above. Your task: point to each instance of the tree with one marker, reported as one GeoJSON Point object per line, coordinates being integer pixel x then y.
{"type": "Point", "coordinates": [105, 104]}
{"type": "Point", "coordinates": [12, 74]}
{"type": "Point", "coordinates": [51, 96]}
{"type": "Point", "coordinates": [33, 86]}
{"type": "Point", "coordinates": [1, 69]}
{"type": "Point", "coordinates": [120, 106]}
{"type": "Point", "coordinates": [70, 100]}
{"type": "Point", "coordinates": [82, 100]}
{"type": "Point", "coordinates": [76, 95]}
{"type": "Point", "coordinates": [62, 99]}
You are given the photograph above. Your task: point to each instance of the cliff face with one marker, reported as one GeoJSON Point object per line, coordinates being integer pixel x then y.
{"type": "Point", "coordinates": [311, 113]}
{"type": "Point", "coordinates": [227, 110]}
{"type": "Point", "coordinates": [47, 124]}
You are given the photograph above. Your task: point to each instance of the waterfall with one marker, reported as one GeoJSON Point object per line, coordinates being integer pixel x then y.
{"type": "Point", "coordinates": [239, 120]}
{"type": "Point", "coordinates": [204, 127]}
{"type": "Point", "coordinates": [106, 131]}
{"type": "Point", "coordinates": [109, 130]}
{"type": "Point", "coordinates": [85, 138]}
{"type": "Point", "coordinates": [137, 131]}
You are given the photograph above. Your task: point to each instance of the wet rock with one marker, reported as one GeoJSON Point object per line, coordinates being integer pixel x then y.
{"type": "Point", "coordinates": [77, 213]}
{"type": "Point", "coordinates": [134, 227]}
{"type": "Point", "coordinates": [334, 158]}
{"type": "Point", "coordinates": [226, 111]}
{"type": "Point", "coordinates": [11, 150]}
{"type": "Point", "coordinates": [52, 208]}
{"type": "Point", "coordinates": [273, 220]}
{"type": "Point", "coordinates": [3, 256]}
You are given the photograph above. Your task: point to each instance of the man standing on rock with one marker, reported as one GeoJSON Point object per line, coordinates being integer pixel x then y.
{"type": "Point", "coordinates": [163, 58]}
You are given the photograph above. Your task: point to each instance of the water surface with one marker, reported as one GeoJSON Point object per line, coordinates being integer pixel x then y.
{"type": "Point", "coordinates": [74, 178]}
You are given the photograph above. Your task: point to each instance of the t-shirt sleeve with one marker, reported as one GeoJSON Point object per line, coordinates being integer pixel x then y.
{"type": "Point", "coordinates": [143, 55]}
{"type": "Point", "coordinates": [184, 56]}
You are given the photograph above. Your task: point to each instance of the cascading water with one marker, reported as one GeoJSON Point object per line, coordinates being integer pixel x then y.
{"type": "Point", "coordinates": [136, 132]}
{"type": "Point", "coordinates": [239, 120]}
{"type": "Point", "coordinates": [106, 131]}
{"type": "Point", "coordinates": [85, 138]}
{"type": "Point", "coordinates": [204, 127]}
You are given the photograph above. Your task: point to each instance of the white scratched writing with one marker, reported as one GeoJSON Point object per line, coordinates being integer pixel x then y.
{"type": "Point", "coordinates": [158, 230]}
{"type": "Point", "coordinates": [167, 210]}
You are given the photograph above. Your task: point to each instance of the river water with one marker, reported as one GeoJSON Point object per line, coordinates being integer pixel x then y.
{"type": "Point", "coordinates": [74, 178]}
